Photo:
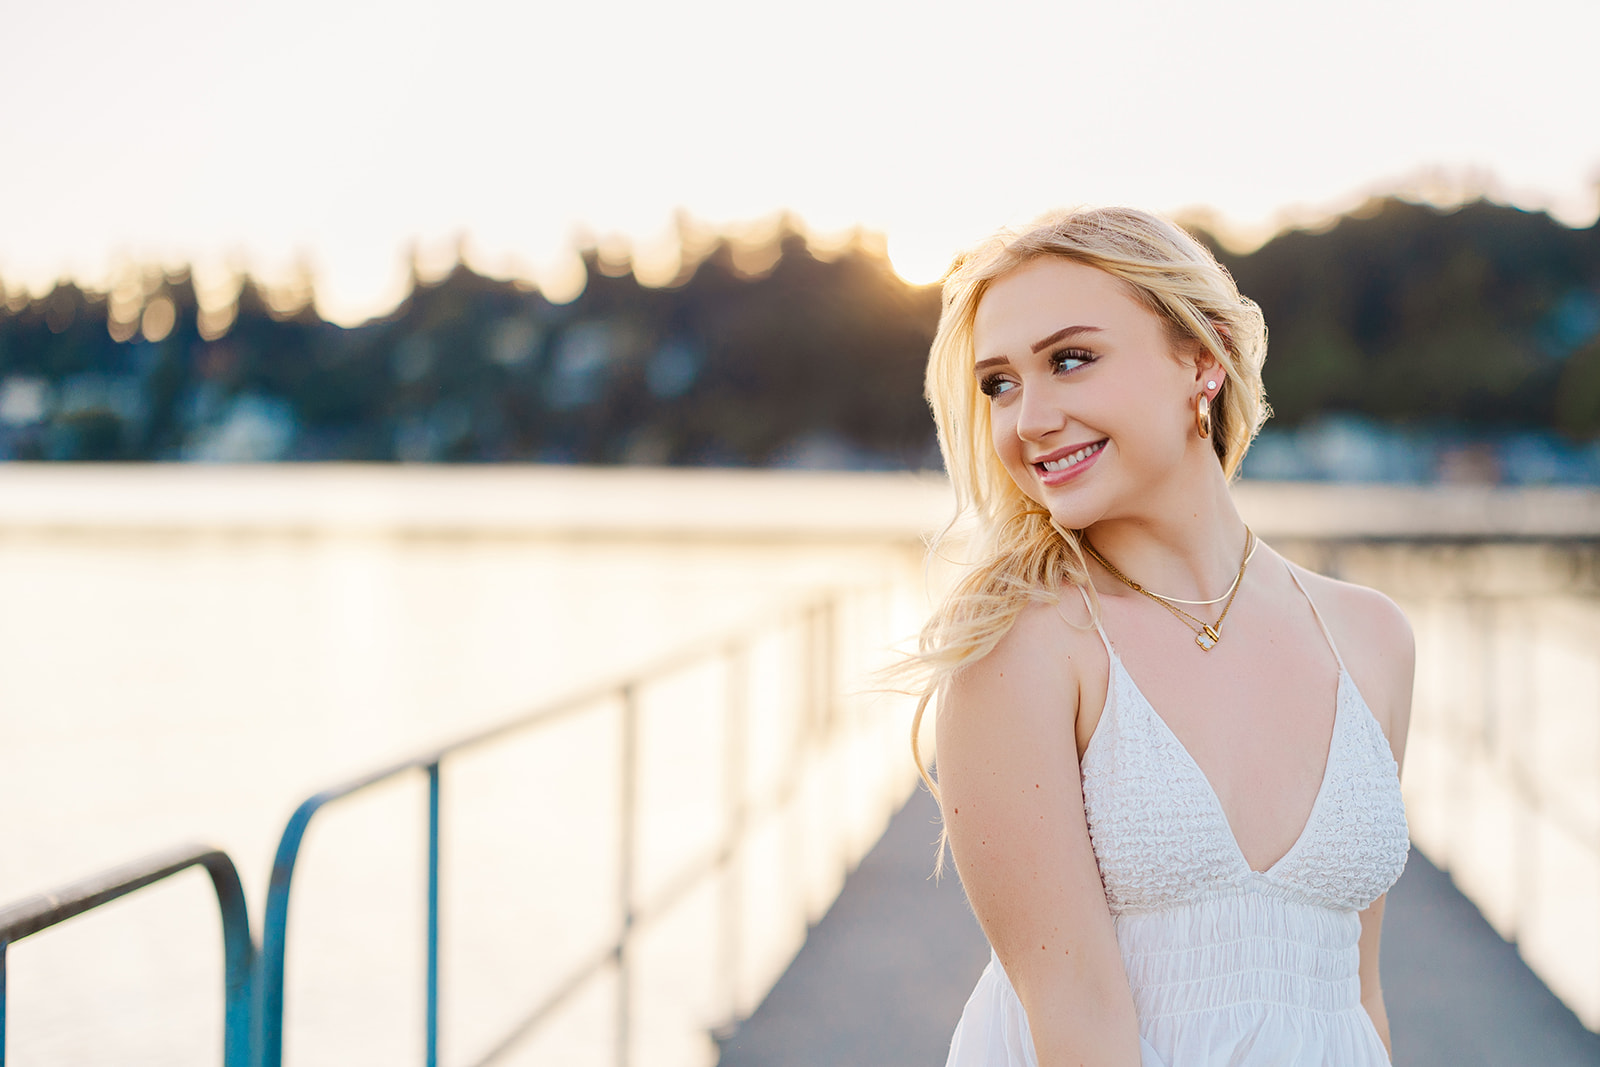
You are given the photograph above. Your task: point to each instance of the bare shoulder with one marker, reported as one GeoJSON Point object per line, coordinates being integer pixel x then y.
{"type": "Point", "coordinates": [1365, 611]}
{"type": "Point", "coordinates": [1377, 645]}
{"type": "Point", "coordinates": [1029, 676]}
{"type": "Point", "coordinates": [1015, 711]}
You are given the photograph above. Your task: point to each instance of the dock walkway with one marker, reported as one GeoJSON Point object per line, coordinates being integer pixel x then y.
{"type": "Point", "coordinates": [882, 978]}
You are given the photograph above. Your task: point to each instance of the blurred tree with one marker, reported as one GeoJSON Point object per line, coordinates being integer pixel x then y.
{"type": "Point", "coordinates": [1407, 312]}
{"type": "Point", "coordinates": [1484, 315]}
{"type": "Point", "coordinates": [1578, 396]}
{"type": "Point", "coordinates": [91, 434]}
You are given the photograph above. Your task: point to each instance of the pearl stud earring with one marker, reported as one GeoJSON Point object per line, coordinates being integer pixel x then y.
{"type": "Point", "coordinates": [1211, 385]}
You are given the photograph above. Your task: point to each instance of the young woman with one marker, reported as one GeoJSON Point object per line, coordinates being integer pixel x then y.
{"type": "Point", "coordinates": [1168, 758]}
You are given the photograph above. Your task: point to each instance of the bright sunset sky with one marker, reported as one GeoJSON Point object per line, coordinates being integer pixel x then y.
{"type": "Point", "coordinates": [336, 134]}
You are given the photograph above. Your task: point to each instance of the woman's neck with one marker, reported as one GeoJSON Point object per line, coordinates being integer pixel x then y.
{"type": "Point", "coordinates": [1187, 542]}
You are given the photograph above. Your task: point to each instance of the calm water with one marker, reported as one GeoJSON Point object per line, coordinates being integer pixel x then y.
{"type": "Point", "coordinates": [165, 682]}
{"type": "Point", "coordinates": [186, 654]}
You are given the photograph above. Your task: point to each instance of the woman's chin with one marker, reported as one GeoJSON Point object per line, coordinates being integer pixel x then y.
{"type": "Point", "coordinates": [1074, 516]}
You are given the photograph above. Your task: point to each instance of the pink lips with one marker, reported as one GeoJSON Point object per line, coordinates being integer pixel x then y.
{"type": "Point", "coordinates": [1066, 474]}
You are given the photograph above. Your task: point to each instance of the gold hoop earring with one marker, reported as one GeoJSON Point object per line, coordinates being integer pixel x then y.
{"type": "Point", "coordinates": [1202, 415]}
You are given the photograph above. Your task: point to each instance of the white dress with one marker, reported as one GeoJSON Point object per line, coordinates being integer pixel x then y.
{"type": "Point", "coordinates": [1229, 967]}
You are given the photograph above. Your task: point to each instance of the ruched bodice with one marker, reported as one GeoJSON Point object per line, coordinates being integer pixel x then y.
{"type": "Point", "coordinates": [1227, 965]}
{"type": "Point", "coordinates": [1162, 839]}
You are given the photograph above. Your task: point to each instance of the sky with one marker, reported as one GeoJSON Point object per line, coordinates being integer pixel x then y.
{"type": "Point", "coordinates": [337, 140]}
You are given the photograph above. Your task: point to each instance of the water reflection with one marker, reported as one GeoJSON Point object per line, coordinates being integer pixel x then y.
{"type": "Point", "coordinates": [164, 684]}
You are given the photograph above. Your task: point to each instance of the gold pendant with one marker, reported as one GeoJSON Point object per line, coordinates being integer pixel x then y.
{"type": "Point", "coordinates": [1207, 638]}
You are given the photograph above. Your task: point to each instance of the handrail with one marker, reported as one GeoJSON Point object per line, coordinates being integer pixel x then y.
{"type": "Point", "coordinates": [32, 914]}
{"type": "Point", "coordinates": [274, 932]}
{"type": "Point", "coordinates": [623, 692]}
{"type": "Point", "coordinates": [254, 977]}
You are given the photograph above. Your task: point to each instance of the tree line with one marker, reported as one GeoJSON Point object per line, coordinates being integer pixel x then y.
{"type": "Point", "coordinates": [1483, 316]}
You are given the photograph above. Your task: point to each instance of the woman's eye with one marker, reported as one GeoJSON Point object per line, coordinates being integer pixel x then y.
{"type": "Point", "coordinates": [1071, 359]}
{"type": "Point", "coordinates": [994, 385]}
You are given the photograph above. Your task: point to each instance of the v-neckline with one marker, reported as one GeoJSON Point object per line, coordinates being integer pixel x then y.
{"type": "Point", "coordinates": [1216, 799]}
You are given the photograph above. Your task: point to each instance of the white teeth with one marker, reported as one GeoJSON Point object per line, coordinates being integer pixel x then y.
{"type": "Point", "coordinates": [1077, 457]}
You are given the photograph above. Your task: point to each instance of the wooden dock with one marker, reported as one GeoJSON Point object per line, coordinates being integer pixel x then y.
{"type": "Point", "coordinates": [882, 978]}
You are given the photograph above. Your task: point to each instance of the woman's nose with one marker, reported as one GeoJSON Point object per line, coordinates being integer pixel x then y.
{"type": "Point", "coordinates": [1039, 415]}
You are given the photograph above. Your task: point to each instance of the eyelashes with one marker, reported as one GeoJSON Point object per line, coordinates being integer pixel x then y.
{"type": "Point", "coordinates": [1064, 361]}
{"type": "Point", "coordinates": [992, 385]}
{"type": "Point", "coordinates": [1078, 357]}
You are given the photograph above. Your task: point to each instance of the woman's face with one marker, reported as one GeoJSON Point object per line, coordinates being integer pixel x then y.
{"type": "Point", "coordinates": [1091, 408]}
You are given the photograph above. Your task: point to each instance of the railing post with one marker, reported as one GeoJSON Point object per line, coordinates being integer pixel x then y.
{"type": "Point", "coordinates": [735, 783]}
{"type": "Point", "coordinates": [41, 912]}
{"type": "Point", "coordinates": [626, 831]}
{"type": "Point", "coordinates": [239, 964]}
{"type": "Point", "coordinates": [275, 936]}
{"type": "Point", "coordinates": [735, 789]}
{"type": "Point", "coordinates": [433, 915]}
{"type": "Point", "coordinates": [826, 668]}
{"type": "Point", "coordinates": [3, 947]}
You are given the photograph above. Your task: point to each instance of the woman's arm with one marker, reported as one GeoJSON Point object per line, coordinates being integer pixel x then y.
{"type": "Point", "coordinates": [1013, 803]}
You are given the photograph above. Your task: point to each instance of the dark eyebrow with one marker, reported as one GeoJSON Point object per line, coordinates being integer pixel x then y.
{"type": "Point", "coordinates": [1062, 334]}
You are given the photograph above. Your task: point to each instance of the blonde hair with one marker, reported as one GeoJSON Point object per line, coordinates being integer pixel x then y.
{"type": "Point", "coordinates": [1018, 554]}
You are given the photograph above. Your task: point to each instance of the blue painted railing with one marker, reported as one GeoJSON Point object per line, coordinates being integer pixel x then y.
{"type": "Point", "coordinates": [255, 978]}
{"type": "Point", "coordinates": [274, 939]}
{"type": "Point", "coordinates": [33, 914]}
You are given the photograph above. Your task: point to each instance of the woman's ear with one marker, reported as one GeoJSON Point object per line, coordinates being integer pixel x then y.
{"type": "Point", "coordinates": [1207, 367]}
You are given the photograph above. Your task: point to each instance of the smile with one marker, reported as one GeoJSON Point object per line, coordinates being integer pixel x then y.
{"type": "Point", "coordinates": [1071, 459]}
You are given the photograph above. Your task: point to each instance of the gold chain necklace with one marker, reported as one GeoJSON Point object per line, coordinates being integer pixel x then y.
{"type": "Point", "coordinates": [1220, 597]}
{"type": "Point", "coordinates": [1208, 633]}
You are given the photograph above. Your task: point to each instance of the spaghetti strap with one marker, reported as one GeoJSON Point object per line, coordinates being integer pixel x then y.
{"type": "Point", "coordinates": [1094, 616]}
{"type": "Point", "coordinates": [1326, 633]}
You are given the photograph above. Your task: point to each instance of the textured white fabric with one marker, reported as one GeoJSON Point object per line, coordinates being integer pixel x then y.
{"type": "Point", "coordinates": [1229, 967]}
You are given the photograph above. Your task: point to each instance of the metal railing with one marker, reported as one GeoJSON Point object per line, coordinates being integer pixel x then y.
{"type": "Point", "coordinates": [275, 928]}
{"type": "Point", "coordinates": [30, 915]}
{"type": "Point", "coordinates": [255, 978]}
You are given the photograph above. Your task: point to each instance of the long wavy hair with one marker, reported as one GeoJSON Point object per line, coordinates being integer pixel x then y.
{"type": "Point", "coordinates": [1018, 555]}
